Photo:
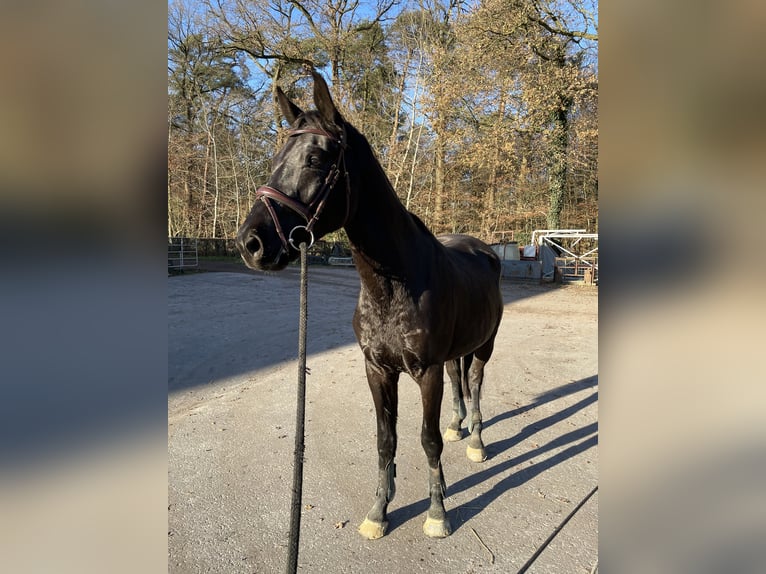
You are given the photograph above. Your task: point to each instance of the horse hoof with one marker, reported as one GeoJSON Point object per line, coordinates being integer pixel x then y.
{"type": "Point", "coordinates": [437, 528]}
{"type": "Point", "coordinates": [476, 454]}
{"type": "Point", "coordinates": [452, 435]}
{"type": "Point", "coordinates": [373, 530]}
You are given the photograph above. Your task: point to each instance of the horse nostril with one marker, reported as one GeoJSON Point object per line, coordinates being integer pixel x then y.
{"type": "Point", "coordinates": [248, 242]}
{"type": "Point", "coordinates": [253, 244]}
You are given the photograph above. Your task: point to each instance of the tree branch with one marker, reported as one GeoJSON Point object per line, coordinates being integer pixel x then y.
{"type": "Point", "coordinates": [306, 14]}
{"type": "Point", "coordinates": [562, 32]}
{"type": "Point", "coordinates": [576, 35]}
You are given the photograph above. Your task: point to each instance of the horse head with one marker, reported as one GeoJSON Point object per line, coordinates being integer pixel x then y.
{"type": "Point", "coordinates": [308, 194]}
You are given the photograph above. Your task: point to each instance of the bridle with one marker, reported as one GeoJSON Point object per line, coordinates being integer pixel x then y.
{"type": "Point", "coordinates": [311, 211]}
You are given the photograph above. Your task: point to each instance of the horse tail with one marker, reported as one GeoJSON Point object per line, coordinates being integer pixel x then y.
{"type": "Point", "coordinates": [467, 360]}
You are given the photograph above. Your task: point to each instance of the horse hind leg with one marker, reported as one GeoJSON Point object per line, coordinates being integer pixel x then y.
{"type": "Point", "coordinates": [431, 384]}
{"type": "Point", "coordinates": [383, 386]}
{"type": "Point", "coordinates": [475, 450]}
{"type": "Point", "coordinates": [454, 432]}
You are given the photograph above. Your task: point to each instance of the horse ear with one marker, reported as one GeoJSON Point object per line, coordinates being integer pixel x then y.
{"type": "Point", "coordinates": [323, 100]}
{"type": "Point", "coordinates": [289, 109]}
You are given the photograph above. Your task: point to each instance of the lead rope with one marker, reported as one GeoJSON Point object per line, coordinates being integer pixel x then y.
{"type": "Point", "coordinates": [300, 418]}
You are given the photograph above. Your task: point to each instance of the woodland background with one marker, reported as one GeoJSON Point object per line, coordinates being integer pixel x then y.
{"type": "Point", "coordinates": [483, 113]}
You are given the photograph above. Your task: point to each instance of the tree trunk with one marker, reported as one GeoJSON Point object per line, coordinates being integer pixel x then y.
{"type": "Point", "coordinates": [558, 166]}
{"type": "Point", "coordinates": [277, 109]}
{"type": "Point", "coordinates": [411, 133]}
{"type": "Point", "coordinates": [397, 112]}
{"type": "Point", "coordinates": [439, 183]}
{"type": "Point", "coordinates": [494, 168]}
{"type": "Point", "coordinates": [410, 195]}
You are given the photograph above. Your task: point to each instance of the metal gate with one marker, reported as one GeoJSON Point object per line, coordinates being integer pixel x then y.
{"type": "Point", "coordinates": [182, 253]}
{"type": "Point", "coordinates": [576, 254]}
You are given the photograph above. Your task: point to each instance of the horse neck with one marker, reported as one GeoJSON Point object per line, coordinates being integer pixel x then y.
{"type": "Point", "coordinates": [385, 237]}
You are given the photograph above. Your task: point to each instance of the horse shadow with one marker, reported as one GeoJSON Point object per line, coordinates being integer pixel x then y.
{"type": "Point", "coordinates": [580, 440]}
{"type": "Point", "coordinates": [547, 397]}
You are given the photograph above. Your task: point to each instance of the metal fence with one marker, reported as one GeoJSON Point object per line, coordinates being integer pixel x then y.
{"type": "Point", "coordinates": [583, 269]}
{"type": "Point", "coordinates": [182, 253]}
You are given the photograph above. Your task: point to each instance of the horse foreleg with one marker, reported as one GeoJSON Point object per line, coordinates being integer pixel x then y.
{"type": "Point", "coordinates": [431, 389]}
{"type": "Point", "coordinates": [475, 450]}
{"type": "Point", "coordinates": [383, 385]}
{"type": "Point", "coordinates": [453, 432]}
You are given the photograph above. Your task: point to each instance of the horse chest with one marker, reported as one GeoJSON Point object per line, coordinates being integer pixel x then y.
{"type": "Point", "coordinates": [393, 336]}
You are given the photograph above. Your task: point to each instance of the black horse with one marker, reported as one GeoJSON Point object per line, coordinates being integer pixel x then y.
{"type": "Point", "coordinates": [424, 301]}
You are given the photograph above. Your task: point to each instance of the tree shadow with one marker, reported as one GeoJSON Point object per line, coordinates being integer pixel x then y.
{"type": "Point", "coordinates": [586, 435]}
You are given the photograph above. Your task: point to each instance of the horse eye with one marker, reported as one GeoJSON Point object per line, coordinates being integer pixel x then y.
{"type": "Point", "coordinates": [314, 161]}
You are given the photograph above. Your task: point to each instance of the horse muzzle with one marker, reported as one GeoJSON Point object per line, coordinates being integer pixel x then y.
{"type": "Point", "coordinates": [258, 254]}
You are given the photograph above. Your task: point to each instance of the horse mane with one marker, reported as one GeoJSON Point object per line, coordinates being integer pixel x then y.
{"type": "Point", "coordinates": [419, 223]}
{"type": "Point", "coordinates": [359, 140]}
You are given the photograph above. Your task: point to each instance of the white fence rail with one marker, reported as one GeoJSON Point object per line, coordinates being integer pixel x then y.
{"type": "Point", "coordinates": [573, 261]}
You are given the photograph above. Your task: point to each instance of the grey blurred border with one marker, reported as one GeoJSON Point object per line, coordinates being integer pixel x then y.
{"type": "Point", "coordinates": [82, 174]}
{"type": "Point", "coordinates": [83, 373]}
{"type": "Point", "coordinates": [681, 177]}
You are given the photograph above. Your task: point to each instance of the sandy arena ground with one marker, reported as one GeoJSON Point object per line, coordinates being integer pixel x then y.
{"type": "Point", "coordinates": [231, 409]}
